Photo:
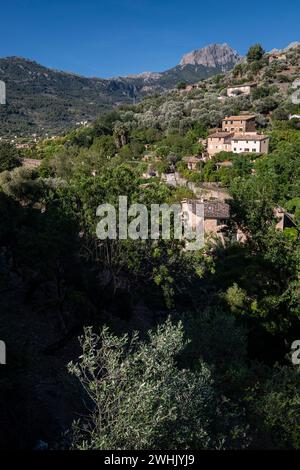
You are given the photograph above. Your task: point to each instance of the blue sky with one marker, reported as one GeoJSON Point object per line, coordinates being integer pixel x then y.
{"type": "Point", "coordinates": [118, 37]}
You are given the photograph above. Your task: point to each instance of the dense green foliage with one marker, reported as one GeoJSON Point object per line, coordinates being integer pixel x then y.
{"type": "Point", "coordinates": [149, 402]}
{"type": "Point", "coordinates": [9, 157]}
{"type": "Point", "coordinates": [255, 53]}
{"type": "Point", "coordinates": [218, 373]}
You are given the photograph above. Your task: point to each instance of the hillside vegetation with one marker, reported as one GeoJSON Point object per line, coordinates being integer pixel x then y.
{"type": "Point", "coordinates": [210, 366]}
{"type": "Point", "coordinates": [44, 101]}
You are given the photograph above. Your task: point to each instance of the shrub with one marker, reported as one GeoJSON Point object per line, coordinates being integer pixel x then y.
{"type": "Point", "coordinates": [9, 156]}
{"type": "Point", "coordinates": [278, 405]}
{"type": "Point", "coordinates": [141, 399]}
{"type": "Point", "coordinates": [265, 105]}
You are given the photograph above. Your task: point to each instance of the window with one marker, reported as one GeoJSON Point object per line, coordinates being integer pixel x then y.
{"type": "Point", "coordinates": [247, 150]}
{"type": "Point", "coordinates": [254, 150]}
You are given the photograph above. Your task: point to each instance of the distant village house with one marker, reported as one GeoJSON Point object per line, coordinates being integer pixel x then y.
{"type": "Point", "coordinates": [238, 135]}
{"type": "Point", "coordinates": [219, 142]}
{"type": "Point", "coordinates": [192, 162]}
{"type": "Point", "coordinates": [244, 89]}
{"type": "Point", "coordinates": [31, 162]}
{"type": "Point", "coordinates": [216, 215]}
{"type": "Point", "coordinates": [249, 143]}
{"type": "Point", "coordinates": [243, 123]}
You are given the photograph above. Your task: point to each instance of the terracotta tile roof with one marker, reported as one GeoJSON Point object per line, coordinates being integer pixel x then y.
{"type": "Point", "coordinates": [214, 130]}
{"type": "Point", "coordinates": [250, 137]}
{"type": "Point", "coordinates": [216, 210]}
{"type": "Point", "coordinates": [212, 209]}
{"type": "Point", "coordinates": [221, 135]}
{"type": "Point", "coordinates": [243, 117]}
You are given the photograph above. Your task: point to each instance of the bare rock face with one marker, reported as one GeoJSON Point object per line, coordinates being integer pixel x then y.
{"type": "Point", "coordinates": [215, 55]}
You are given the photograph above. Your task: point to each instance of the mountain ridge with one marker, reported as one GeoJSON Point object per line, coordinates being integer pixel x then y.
{"type": "Point", "coordinates": [42, 99]}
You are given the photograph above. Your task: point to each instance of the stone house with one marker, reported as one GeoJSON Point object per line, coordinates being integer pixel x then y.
{"type": "Point", "coordinates": [250, 143]}
{"type": "Point", "coordinates": [192, 162]}
{"type": "Point", "coordinates": [191, 87]}
{"type": "Point", "coordinates": [243, 123]}
{"type": "Point", "coordinates": [25, 145]}
{"type": "Point", "coordinates": [31, 162]}
{"type": "Point", "coordinates": [237, 143]}
{"type": "Point", "coordinates": [215, 213]}
{"type": "Point", "coordinates": [244, 89]}
{"type": "Point", "coordinates": [219, 142]}
{"type": "Point", "coordinates": [238, 135]}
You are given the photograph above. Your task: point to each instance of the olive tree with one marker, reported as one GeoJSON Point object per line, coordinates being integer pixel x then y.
{"type": "Point", "coordinates": [140, 398]}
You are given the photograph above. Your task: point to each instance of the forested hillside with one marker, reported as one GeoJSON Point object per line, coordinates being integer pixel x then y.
{"type": "Point", "coordinates": [44, 101]}
{"type": "Point", "coordinates": [210, 366]}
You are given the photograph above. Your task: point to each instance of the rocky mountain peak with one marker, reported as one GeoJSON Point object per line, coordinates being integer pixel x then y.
{"type": "Point", "coordinates": [214, 55]}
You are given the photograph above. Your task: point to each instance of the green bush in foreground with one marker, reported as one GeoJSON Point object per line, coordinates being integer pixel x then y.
{"type": "Point", "coordinates": [142, 400]}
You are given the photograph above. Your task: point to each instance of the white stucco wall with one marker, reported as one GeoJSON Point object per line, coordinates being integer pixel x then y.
{"type": "Point", "coordinates": [242, 146]}
{"type": "Point", "coordinates": [252, 146]}
{"type": "Point", "coordinates": [245, 90]}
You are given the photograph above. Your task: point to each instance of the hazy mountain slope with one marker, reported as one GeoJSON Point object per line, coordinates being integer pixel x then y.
{"type": "Point", "coordinates": [38, 97]}
{"type": "Point", "coordinates": [41, 100]}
